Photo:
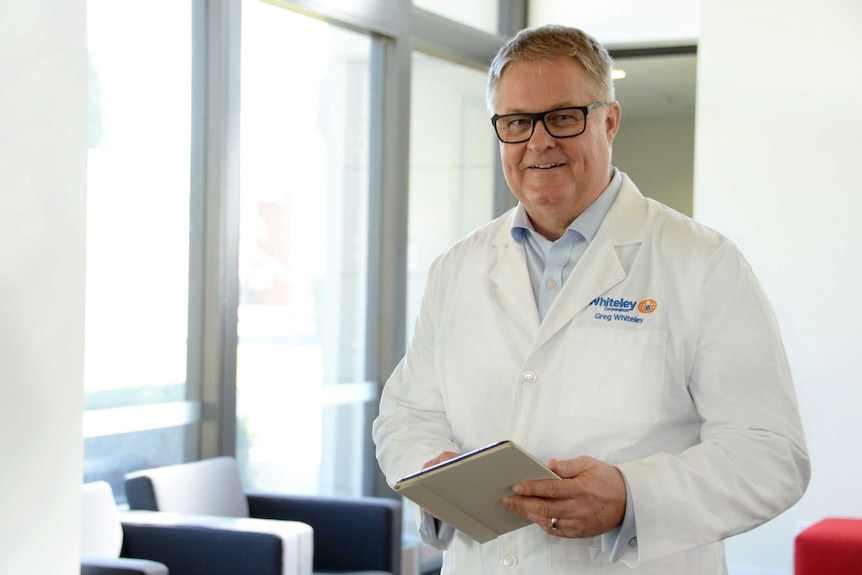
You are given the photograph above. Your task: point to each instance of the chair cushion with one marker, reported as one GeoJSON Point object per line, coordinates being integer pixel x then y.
{"type": "Point", "coordinates": [297, 539]}
{"type": "Point", "coordinates": [101, 531]}
{"type": "Point", "coordinates": [121, 566]}
{"type": "Point", "coordinates": [833, 545]}
{"type": "Point", "coordinates": [208, 487]}
{"type": "Point", "coordinates": [350, 534]}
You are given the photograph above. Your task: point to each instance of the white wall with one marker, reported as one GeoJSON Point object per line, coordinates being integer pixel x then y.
{"type": "Point", "coordinates": [779, 133]}
{"type": "Point", "coordinates": [623, 22]}
{"type": "Point", "coordinates": [658, 154]}
{"type": "Point", "coordinates": [43, 130]}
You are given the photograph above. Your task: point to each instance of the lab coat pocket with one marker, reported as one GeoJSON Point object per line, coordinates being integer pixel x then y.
{"type": "Point", "coordinates": [614, 374]}
{"type": "Point", "coordinates": [566, 559]}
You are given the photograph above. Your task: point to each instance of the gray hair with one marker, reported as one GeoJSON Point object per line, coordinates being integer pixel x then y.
{"type": "Point", "coordinates": [550, 42]}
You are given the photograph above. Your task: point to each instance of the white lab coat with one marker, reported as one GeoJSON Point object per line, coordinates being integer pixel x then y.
{"type": "Point", "coordinates": [689, 396]}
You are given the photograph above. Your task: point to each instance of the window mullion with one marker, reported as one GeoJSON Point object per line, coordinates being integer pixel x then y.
{"type": "Point", "coordinates": [221, 293]}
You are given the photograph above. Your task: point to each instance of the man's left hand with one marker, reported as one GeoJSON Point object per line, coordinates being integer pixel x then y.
{"type": "Point", "coordinates": [589, 500]}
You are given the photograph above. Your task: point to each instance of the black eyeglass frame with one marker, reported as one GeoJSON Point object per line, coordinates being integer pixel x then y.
{"type": "Point", "coordinates": [540, 117]}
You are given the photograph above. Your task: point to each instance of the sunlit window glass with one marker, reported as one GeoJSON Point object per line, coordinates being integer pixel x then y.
{"type": "Point", "coordinates": [452, 148]}
{"type": "Point", "coordinates": [303, 251]}
{"type": "Point", "coordinates": [137, 228]}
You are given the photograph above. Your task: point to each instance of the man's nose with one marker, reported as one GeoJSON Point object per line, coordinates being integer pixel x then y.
{"type": "Point", "coordinates": [541, 138]}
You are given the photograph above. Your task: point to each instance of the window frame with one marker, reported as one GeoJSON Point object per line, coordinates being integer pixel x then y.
{"type": "Point", "coordinates": [398, 28]}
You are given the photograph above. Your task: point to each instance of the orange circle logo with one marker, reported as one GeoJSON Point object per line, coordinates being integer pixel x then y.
{"type": "Point", "coordinates": [647, 306]}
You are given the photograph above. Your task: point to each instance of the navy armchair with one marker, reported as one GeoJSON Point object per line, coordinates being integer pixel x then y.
{"type": "Point", "coordinates": [351, 535]}
{"type": "Point", "coordinates": [144, 543]}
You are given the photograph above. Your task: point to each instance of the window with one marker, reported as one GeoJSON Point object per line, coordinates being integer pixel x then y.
{"type": "Point", "coordinates": [301, 388]}
{"type": "Point", "coordinates": [452, 151]}
{"type": "Point", "coordinates": [316, 273]}
{"type": "Point", "coordinates": [138, 199]}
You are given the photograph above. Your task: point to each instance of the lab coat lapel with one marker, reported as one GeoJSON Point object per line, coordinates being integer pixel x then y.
{"type": "Point", "coordinates": [508, 272]}
{"type": "Point", "coordinates": [599, 269]}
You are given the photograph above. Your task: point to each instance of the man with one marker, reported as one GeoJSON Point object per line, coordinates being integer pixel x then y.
{"type": "Point", "coordinates": [617, 339]}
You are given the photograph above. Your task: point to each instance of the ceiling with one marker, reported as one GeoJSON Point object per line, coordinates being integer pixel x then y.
{"type": "Point", "coordinates": [661, 86]}
{"type": "Point", "coordinates": [623, 22]}
{"type": "Point", "coordinates": [656, 86]}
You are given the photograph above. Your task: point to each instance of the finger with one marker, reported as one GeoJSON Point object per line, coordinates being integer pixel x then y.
{"type": "Point", "coordinates": [445, 456]}
{"type": "Point", "coordinates": [535, 509]}
{"type": "Point", "coordinates": [538, 511]}
{"type": "Point", "coordinates": [566, 469]}
{"type": "Point", "coordinates": [569, 468]}
{"type": "Point", "coordinates": [546, 488]}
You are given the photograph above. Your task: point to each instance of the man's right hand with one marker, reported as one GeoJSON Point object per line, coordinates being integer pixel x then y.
{"type": "Point", "coordinates": [445, 456]}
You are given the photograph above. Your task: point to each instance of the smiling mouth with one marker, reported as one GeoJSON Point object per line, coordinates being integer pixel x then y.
{"type": "Point", "coordinates": [544, 166]}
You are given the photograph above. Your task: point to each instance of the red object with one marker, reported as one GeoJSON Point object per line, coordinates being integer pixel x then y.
{"type": "Point", "coordinates": [830, 547]}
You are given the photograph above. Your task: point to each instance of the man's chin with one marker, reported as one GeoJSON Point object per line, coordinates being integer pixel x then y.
{"type": "Point", "coordinates": [548, 194]}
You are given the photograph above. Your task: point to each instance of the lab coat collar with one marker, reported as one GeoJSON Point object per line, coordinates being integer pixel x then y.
{"type": "Point", "coordinates": [597, 272]}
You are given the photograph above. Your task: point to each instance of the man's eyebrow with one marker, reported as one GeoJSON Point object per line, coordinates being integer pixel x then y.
{"type": "Point", "coordinates": [554, 107]}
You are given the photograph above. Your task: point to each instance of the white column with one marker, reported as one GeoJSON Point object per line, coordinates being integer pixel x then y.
{"type": "Point", "coordinates": [778, 138]}
{"type": "Point", "coordinates": [43, 146]}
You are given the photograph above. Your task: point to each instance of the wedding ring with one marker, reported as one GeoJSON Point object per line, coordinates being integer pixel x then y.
{"type": "Point", "coordinates": [554, 523]}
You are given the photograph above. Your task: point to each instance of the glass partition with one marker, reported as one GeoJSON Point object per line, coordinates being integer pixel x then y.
{"type": "Point", "coordinates": [303, 250]}
{"type": "Point", "coordinates": [452, 150]}
{"type": "Point", "coordinates": [138, 210]}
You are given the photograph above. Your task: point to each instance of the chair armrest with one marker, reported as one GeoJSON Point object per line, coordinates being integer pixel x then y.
{"type": "Point", "coordinates": [208, 545]}
{"type": "Point", "coordinates": [140, 493]}
{"type": "Point", "coordinates": [121, 566]}
{"type": "Point", "coordinates": [350, 534]}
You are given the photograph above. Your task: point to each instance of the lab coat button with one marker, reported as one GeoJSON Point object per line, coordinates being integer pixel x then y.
{"type": "Point", "coordinates": [633, 542]}
{"type": "Point", "coordinates": [529, 377]}
{"type": "Point", "coordinates": [509, 560]}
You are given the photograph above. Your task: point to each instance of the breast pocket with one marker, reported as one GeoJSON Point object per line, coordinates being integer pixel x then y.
{"type": "Point", "coordinates": [614, 374]}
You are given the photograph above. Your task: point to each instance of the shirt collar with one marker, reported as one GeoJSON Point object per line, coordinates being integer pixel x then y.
{"type": "Point", "coordinates": [587, 224]}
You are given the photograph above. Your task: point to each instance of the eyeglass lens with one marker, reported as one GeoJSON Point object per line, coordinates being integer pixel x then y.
{"type": "Point", "coordinates": [563, 123]}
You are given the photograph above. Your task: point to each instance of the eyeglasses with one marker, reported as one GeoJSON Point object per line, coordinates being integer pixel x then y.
{"type": "Point", "coordinates": [559, 122]}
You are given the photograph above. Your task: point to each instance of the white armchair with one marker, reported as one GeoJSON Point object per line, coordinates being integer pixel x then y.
{"type": "Point", "coordinates": [102, 537]}
{"type": "Point", "coordinates": [150, 543]}
{"type": "Point", "coordinates": [359, 535]}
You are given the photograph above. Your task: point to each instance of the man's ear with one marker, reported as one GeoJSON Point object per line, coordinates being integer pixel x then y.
{"type": "Point", "coordinates": [612, 120]}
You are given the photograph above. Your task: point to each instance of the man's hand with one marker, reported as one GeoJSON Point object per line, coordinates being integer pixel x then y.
{"type": "Point", "coordinates": [589, 500]}
{"type": "Point", "coordinates": [445, 456]}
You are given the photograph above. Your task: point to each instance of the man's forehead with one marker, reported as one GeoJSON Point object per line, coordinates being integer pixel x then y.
{"type": "Point", "coordinates": [555, 83]}
{"type": "Point", "coordinates": [538, 65]}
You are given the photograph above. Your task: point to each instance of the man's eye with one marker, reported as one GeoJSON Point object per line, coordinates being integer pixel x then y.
{"type": "Point", "coordinates": [562, 118]}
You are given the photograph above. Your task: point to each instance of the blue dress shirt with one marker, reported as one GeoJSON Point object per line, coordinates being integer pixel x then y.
{"type": "Point", "coordinates": [550, 263]}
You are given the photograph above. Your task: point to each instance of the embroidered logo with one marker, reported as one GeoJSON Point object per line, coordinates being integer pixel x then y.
{"type": "Point", "coordinates": [622, 309]}
{"type": "Point", "coordinates": [614, 304]}
{"type": "Point", "coordinates": [647, 306]}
